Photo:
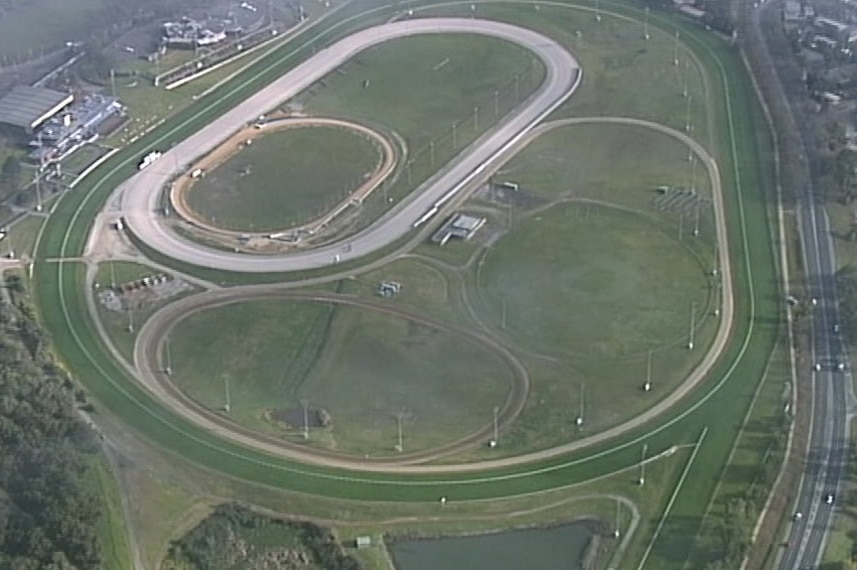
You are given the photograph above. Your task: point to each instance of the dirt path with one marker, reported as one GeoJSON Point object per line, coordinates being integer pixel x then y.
{"type": "Point", "coordinates": [693, 381]}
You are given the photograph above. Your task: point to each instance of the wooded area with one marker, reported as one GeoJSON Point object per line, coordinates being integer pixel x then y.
{"type": "Point", "coordinates": [48, 512]}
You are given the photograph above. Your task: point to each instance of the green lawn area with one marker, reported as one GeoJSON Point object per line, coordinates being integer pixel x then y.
{"type": "Point", "coordinates": [591, 280]}
{"type": "Point", "coordinates": [436, 81]}
{"type": "Point", "coordinates": [285, 178]}
{"type": "Point", "coordinates": [81, 158]}
{"type": "Point", "coordinates": [22, 235]}
{"type": "Point", "coordinates": [112, 530]}
{"type": "Point", "coordinates": [133, 308]}
{"type": "Point", "coordinates": [362, 367]}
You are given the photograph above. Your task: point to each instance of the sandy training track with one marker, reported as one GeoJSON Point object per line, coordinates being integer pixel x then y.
{"type": "Point", "coordinates": [233, 145]}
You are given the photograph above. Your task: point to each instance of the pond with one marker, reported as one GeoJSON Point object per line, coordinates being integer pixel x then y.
{"type": "Point", "coordinates": [553, 548]}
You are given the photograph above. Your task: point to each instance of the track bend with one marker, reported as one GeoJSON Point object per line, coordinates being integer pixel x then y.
{"type": "Point", "coordinates": [140, 194]}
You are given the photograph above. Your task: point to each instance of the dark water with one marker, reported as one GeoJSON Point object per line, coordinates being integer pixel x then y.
{"type": "Point", "coordinates": [557, 548]}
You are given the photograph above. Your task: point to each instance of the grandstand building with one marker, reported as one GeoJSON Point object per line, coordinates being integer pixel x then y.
{"type": "Point", "coordinates": [28, 107]}
{"type": "Point", "coordinates": [73, 127]}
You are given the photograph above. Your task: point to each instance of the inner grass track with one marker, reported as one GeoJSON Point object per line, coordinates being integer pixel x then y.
{"type": "Point", "coordinates": [744, 151]}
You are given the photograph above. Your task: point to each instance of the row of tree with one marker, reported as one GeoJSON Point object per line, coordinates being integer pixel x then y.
{"type": "Point", "coordinates": [214, 540]}
{"type": "Point", "coordinates": [48, 512]}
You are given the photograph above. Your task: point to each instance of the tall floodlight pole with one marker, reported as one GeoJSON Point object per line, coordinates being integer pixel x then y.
{"type": "Point", "coordinates": [579, 420]}
{"type": "Point", "coordinates": [693, 176]}
{"type": "Point", "coordinates": [168, 364]}
{"type": "Point", "coordinates": [692, 324]}
{"type": "Point", "coordinates": [687, 125]}
{"type": "Point", "coordinates": [642, 479]}
{"type": "Point", "coordinates": [696, 219]}
{"type": "Point", "coordinates": [304, 404]}
{"type": "Point", "coordinates": [496, 428]}
{"type": "Point", "coordinates": [130, 317]}
{"type": "Point", "coordinates": [228, 405]}
{"type": "Point", "coordinates": [648, 385]}
{"type": "Point", "coordinates": [597, 12]}
{"type": "Point", "coordinates": [646, 24]}
{"type": "Point", "coordinates": [616, 532]}
{"type": "Point", "coordinates": [400, 446]}
{"type": "Point", "coordinates": [675, 52]}
{"type": "Point", "coordinates": [685, 90]}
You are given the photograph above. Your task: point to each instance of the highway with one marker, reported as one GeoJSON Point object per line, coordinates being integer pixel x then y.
{"type": "Point", "coordinates": [140, 194]}
{"type": "Point", "coordinates": [832, 392]}
{"type": "Point", "coordinates": [828, 444]}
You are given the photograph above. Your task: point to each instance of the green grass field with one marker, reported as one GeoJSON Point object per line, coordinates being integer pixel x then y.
{"type": "Point", "coordinates": [362, 367]}
{"type": "Point", "coordinates": [285, 178]}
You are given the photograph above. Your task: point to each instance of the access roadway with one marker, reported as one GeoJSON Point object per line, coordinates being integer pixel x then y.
{"type": "Point", "coordinates": [141, 194]}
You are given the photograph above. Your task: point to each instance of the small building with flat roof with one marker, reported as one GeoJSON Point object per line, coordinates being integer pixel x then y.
{"type": "Point", "coordinates": [28, 107]}
{"type": "Point", "coordinates": [461, 226]}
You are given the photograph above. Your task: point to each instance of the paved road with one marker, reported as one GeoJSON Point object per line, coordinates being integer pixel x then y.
{"type": "Point", "coordinates": [140, 194]}
{"type": "Point", "coordinates": [828, 444]}
{"type": "Point", "coordinates": [832, 389]}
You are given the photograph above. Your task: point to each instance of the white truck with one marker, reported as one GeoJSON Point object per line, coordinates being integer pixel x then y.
{"type": "Point", "coordinates": [149, 159]}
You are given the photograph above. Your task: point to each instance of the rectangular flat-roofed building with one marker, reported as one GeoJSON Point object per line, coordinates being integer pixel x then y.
{"type": "Point", "coordinates": [28, 107]}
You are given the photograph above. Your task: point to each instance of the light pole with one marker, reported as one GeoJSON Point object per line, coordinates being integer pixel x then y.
{"type": "Point", "coordinates": [647, 387]}
{"type": "Point", "coordinates": [597, 12]}
{"type": "Point", "coordinates": [675, 53]}
{"type": "Point", "coordinates": [454, 145]}
{"type": "Point", "coordinates": [130, 317]}
{"type": "Point", "coordinates": [646, 24]}
{"type": "Point", "coordinates": [304, 403]}
{"type": "Point", "coordinates": [400, 446]}
{"type": "Point", "coordinates": [693, 177]}
{"type": "Point", "coordinates": [696, 220]}
{"type": "Point", "coordinates": [496, 103]}
{"type": "Point", "coordinates": [228, 405]}
{"type": "Point", "coordinates": [642, 479]}
{"type": "Point", "coordinates": [168, 368]}
{"type": "Point", "coordinates": [687, 126]}
{"type": "Point", "coordinates": [579, 420]}
{"type": "Point", "coordinates": [431, 154]}
{"type": "Point", "coordinates": [476, 119]}
{"type": "Point", "coordinates": [496, 440]}
{"type": "Point", "coordinates": [616, 532]}
{"type": "Point", "coordinates": [692, 319]}
{"type": "Point", "coordinates": [112, 275]}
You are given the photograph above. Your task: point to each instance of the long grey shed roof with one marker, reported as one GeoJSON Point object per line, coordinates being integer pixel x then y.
{"type": "Point", "coordinates": [28, 107]}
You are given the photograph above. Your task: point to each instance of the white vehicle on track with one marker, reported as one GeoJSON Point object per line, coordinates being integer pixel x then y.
{"type": "Point", "coordinates": [149, 159]}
